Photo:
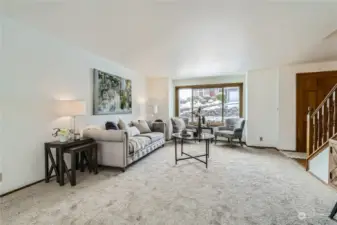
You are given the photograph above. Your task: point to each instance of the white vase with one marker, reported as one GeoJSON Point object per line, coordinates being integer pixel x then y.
{"type": "Point", "coordinates": [63, 138]}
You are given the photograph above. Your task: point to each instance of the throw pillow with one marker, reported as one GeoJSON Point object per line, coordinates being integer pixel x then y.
{"type": "Point", "coordinates": [150, 124]}
{"type": "Point", "coordinates": [133, 131]}
{"type": "Point", "coordinates": [178, 124]}
{"type": "Point", "coordinates": [133, 122]}
{"type": "Point", "coordinates": [122, 125]}
{"type": "Point", "coordinates": [143, 127]}
{"type": "Point", "coordinates": [111, 126]}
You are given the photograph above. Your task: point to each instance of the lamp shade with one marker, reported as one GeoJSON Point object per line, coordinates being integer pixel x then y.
{"type": "Point", "coordinates": [70, 108]}
{"type": "Point", "coordinates": [155, 109]}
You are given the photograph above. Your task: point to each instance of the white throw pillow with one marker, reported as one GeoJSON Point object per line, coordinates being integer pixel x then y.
{"type": "Point", "coordinates": [133, 131]}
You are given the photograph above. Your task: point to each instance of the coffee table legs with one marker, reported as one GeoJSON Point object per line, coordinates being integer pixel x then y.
{"type": "Point", "coordinates": [196, 157]}
{"type": "Point", "coordinates": [182, 147]}
{"type": "Point", "coordinates": [175, 149]}
{"type": "Point", "coordinates": [207, 145]}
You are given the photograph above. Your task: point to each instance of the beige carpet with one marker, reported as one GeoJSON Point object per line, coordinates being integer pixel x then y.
{"type": "Point", "coordinates": [242, 186]}
{"type": "Point", "coordinates": [294, 155]}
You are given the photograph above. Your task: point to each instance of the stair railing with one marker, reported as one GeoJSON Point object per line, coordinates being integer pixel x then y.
{"type": "Point", "coordinates": [321, 124]}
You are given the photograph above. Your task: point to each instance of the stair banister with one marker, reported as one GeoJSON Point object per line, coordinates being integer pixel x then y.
{"type": "Point", "coordinates": [321, 124]}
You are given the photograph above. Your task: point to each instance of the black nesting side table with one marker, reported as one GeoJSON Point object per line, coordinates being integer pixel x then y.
{"type": "Point", "coordinates": [58, 165]}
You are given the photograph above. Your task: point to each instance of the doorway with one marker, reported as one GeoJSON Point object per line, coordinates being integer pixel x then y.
{"type": "Point", "coordinates": [311, 89]}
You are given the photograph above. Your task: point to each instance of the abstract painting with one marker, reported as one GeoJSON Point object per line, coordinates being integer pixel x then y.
{"type": "Point", "coordinates": [112, 94]}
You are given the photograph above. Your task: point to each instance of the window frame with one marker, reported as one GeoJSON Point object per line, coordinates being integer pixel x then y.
{"type": "Point", "coordinates": [223, 85]}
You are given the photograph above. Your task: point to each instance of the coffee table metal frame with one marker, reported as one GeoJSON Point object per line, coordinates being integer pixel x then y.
{"type": "Point", "coordinates": [207, 140]}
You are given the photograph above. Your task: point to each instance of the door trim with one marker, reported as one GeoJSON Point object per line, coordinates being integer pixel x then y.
{"type": "Point", "coordinates": [307, 74]}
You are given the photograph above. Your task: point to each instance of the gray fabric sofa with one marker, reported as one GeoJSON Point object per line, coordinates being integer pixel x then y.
{"type": "Point", "coordinates": [117, 148]}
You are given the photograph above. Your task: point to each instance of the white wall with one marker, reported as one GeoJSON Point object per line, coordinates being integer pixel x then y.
{"type": "Point", "coordinates": [35, 69]}
{"type": "Point", "coordinates": [262, 108]}
{"type": "Point", "coordinates": [275, 91]}
{"type": "Point", "coordinates": [159, 94]}
{"type": "Point", "coordinates": [319, 166]}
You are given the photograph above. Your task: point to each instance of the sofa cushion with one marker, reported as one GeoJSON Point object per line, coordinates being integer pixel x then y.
{"type": "Point", "coordinates": [154, 136]}
{"type": "Point", "coordinates": [142, 126]}
{"type": "Point", "coordinates": [138, 142]}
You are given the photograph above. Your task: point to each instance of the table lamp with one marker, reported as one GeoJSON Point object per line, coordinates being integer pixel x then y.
{"type": "Point", "coordinates": [71, 108]}
{"type": "Point", "coordinates": [155, 110]}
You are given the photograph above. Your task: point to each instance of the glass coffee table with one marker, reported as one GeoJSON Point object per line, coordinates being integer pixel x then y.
{"type": "Point", "coordinates": [203, 137]}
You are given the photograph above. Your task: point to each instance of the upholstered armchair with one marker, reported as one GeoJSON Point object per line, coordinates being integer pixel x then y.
{"type": "Point", "coordinates": [233, 129]}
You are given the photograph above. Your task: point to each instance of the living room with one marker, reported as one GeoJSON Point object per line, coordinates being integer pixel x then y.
{"type": "Point", "coordinates": [49, 52]}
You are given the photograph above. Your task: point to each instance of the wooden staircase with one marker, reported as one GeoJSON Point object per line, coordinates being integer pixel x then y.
{"type": "Point", "coordinates": [322, 130]}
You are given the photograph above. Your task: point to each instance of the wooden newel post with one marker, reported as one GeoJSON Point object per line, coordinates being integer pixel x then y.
{"type": "Point", "coordinates": [310, 129]}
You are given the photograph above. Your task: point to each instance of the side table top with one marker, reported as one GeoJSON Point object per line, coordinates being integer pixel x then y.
{"type": "Point", "coordinates": [70, 142]}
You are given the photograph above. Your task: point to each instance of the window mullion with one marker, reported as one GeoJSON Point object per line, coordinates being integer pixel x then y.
{"type": "Point", "coordinates": [192, 103]}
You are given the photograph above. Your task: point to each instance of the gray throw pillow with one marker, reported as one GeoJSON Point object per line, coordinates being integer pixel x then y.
{"type": "Point", "coordinates": [178, 124]}
{"type": "Point", "coordinates": [150, 124]}
{"type": "Point", "coordinates": [143, 127]}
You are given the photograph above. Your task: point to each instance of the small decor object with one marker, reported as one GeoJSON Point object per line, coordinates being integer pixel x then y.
{"type": "Point", "coordinates": [198, 114]}
{"type": "Point", "coordinates": [77, 136]}
{"type": "Point", "coordinates": [185, 134]}
{"type": "Point", "coordinates": [203, 120]}
{"type": "Point", "coordinates": [62, 133]}
{"type": "Point", "coordinates": [112, 94]}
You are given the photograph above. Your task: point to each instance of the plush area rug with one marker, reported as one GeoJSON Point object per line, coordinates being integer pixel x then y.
{"type": "Point", "coordinates": [294, 155]}
{"type": "Point", "coordinates": [242, 186]}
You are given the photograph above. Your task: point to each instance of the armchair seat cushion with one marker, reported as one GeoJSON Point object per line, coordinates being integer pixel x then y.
{"type": "Point", "coordinates": [225, 133]}
{"type": "Point", "coordinates": [154, 136]}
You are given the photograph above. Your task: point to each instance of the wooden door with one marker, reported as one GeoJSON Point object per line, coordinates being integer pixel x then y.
{"type": "Point", "coordinates": [311, 91]}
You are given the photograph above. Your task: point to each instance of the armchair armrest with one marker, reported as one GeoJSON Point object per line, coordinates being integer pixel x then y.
{"type": "Point", "coordinates": [238, 132]}
{"type": "Point", "coordinates": [106, 135]}
{"type": "Point", "coordinates": [159, 127]}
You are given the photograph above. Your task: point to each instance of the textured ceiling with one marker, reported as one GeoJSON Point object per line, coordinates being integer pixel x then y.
{"type": "Point", "coordinates": [189, 38]}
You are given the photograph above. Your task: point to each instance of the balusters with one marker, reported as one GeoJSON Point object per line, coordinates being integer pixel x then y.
{"type": "Point", "coordinates": [309, 132]}
{"type": "Point", "coordinates": [314, 132]}
{"type": "Point", "coordinates": [325, 122]}
{"type": "Point", "coordinates": [335, 112]}
{"type": "Point", "coordinates": [330, 120]}
{"type": "Point", "coordinates": [322, 123]}
{"type": "Point", "coordinates": [319, 122]}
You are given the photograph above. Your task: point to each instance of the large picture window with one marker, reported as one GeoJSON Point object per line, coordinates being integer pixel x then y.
{"type": "Point", "coordinates": [217, 102]}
